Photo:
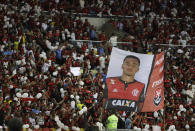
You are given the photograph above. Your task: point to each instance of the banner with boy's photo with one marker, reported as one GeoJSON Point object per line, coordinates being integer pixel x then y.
{"type": "Point", "coordinates": [135, 82]}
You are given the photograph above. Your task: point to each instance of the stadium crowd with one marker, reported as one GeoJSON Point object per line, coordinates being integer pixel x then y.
{"type": "Point", "coordinates": [37, 54]}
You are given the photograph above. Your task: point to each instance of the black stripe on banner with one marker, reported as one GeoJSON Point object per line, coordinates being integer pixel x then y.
{"type": "Point", "coordinates": [152, 68]}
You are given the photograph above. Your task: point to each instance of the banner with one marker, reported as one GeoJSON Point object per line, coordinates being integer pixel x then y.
{"type": "Point", "coordinates": [156, 128]}
{"type": "Point", "coordinates": [129, 81]}
{"type": "Point", "coordinates": [154, 99]}
{"type": "Point", "coordinates": [76, 71]}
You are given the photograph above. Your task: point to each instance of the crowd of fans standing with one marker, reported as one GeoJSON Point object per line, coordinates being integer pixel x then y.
{"type": "Point", "coordinates": [36, 53]}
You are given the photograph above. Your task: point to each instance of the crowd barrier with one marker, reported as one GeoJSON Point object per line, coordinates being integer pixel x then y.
{"type": "Point", "coordinates": [53, 129]}
{"type": "Point", "coordinates": [109, 16]}
{"type": "Point", "coordinates": [125, 42]}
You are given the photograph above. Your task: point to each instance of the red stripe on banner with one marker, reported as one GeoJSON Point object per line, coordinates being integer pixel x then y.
{"type": "Point", "coordinates": [154, 99]}
{"type": "Point", "coordinates": [29, 99]}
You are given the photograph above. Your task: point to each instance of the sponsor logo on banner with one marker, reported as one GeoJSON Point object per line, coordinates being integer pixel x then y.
{"type": "Point", "coordinates": [121, 103]}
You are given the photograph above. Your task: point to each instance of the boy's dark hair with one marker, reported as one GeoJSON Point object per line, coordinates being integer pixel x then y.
{"type": "Point", "coordinates": [15, 124]}
{"type": "Point", "coordinates": [132, 56]}
{"type": "Point", "coordinates": [113, 111]}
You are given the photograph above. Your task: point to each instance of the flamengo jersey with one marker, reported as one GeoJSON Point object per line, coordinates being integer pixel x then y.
{"type": "Point", "coordinates": [123, 96]}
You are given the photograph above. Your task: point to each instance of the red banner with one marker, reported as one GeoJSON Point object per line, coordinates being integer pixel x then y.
{"type": "Point", "coordinates": [154, 99]}
{"type": "Point", "coordinates": [29, 99]}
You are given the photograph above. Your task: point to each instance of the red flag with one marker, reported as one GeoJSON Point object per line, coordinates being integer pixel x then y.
{"type": "Point", "coordinates": [154, 99]}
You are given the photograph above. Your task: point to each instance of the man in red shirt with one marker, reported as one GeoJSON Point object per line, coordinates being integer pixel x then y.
{"type": "Point", "coordinates": [124, 92]}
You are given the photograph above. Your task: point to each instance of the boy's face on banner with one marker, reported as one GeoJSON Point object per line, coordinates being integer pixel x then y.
{"type": "Point", "coordinates": [130, 66]}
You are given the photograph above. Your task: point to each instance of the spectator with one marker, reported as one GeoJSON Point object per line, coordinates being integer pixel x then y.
{"type": "Point", "coordinates": [128, 121]}
{"type": "Point", "coordinates": [15, 124]}
{"type": "Point", "coordinates": [112, 121]}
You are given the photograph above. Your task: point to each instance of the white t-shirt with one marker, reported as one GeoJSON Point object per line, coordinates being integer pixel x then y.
{"type": "Point", "coordinates": [32, 121]}
{"type": "Point", "coordinates": [182, 42]}
{"type": "Point", "coordinates": [82, 3]}
{"type": "Point", "coordinates": [45, 67]}
{"type": "Point", "coordinates": [113, 40]}
{"type": "Point", "coordinates": [102, 61]}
